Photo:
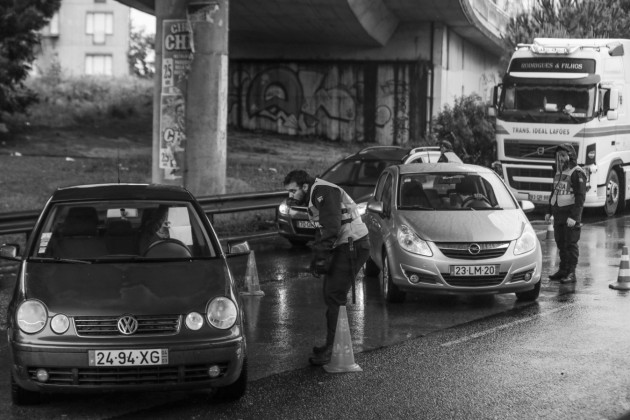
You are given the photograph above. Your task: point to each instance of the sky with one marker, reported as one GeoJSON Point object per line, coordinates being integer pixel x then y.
{"type": "Point", "coordinates": [141, 20]}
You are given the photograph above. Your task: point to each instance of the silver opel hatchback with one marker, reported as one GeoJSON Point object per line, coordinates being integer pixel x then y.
{"type": "Point", "coordinates": [450, 228]}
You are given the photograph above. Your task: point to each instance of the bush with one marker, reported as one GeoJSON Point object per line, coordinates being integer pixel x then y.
{"type": "Point", "coordinates": [469, 129]}
{"type": "Point", "coordinates": [67, 101]}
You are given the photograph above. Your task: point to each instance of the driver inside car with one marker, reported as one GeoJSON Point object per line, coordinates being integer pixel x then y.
{"type": "Point", "coordinates": [157, 229]}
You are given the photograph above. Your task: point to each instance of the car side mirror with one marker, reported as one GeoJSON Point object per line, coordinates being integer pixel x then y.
{"type": "Point", "coordinates": [527, 206]}
{"type": "Point", "coordinates": [10, 252]}
{"type": "Point", "coordinates": [238, 248]}
{"type": "Point", "coordinates": [375, 207]}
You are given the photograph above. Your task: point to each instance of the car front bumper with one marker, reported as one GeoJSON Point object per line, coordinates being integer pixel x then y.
{"type": "Point", "coordinates": [69, 370]}
{"type": "Point", "coordinates": [434, 273]}
{"type": "Point", "coordinates": [295, 226]}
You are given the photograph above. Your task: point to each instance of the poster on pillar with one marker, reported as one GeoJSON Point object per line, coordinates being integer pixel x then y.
{"type": "Point", "coordinates": [176, 60]}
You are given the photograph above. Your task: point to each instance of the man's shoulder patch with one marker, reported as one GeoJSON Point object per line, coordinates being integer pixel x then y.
{"type": "Point", "coordinates": [320, 198]}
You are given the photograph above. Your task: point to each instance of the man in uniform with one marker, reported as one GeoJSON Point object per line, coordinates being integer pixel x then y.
{"type": "Point", "coordinates": [339, 227]}
{"type": "Point", "coordinates": [566, 204]}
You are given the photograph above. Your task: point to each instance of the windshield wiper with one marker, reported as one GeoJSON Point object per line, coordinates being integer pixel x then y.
{"type": "Point", "coordinates": [61, 260]}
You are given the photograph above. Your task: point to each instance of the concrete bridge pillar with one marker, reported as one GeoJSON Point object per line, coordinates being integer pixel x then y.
{"type": "Point", "coordinates": [190, 111]}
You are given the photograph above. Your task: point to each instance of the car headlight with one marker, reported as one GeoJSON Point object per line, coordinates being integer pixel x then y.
{"type": "Point", "coordinates": [60, 323]}
{"type": "Point", "coordinates": [527, 241]}
{"type": "Point", "coordinates": [31, 316]}
{"type": "Point", "coordinates": [409, 241]}
{"type": "Point", "coordinates": [361, 208]}
{"type": "Point", "coordinates": [194, 321]}
{"type": "Point", "coordinates": [283, 208]}
{"type": "Point", "coordinates": [221, 313]}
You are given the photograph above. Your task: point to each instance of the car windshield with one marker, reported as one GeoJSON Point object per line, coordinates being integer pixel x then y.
{"type": "Point", "coordinates": [356, 172]}
{"type": "Point", "coordinates": [122, 230]}
{"type": "Point", "coordinates": [453, 191]}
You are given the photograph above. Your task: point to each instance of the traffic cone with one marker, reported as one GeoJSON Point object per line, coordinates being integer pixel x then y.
{"type": "Point", "coordinates": [342, 359]}
{"type": "Point", "coordinates": [623, 279]}
{"type": "Point", "coordinates": [252, 288]}
{"type": "Point", "coordinates": [550, 229]}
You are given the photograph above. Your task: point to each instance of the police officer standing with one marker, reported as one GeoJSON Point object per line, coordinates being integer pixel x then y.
{"type": "Point", "coordinates": [339, 227]}
{"type": "Point", "coordinates": [566, 204]}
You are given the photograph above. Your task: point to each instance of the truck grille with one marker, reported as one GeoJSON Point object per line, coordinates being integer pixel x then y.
{"type": "Point", "coordinates": [120, 376]}
{"type": "Point", "coordinates": [530, 173]}
{"type": "Point", "coordinates": [459, 250]}
{"type": "Point", "coordinates": [107, 326]}
{"type": "Point", "coordinates": [527, 149]}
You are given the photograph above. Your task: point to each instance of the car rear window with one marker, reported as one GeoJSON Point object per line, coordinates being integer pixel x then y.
{"type": "Point", "coordinates": [101, 230]}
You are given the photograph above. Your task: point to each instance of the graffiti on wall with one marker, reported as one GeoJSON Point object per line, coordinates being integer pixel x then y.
{"type": "Point", "coordinates": [324, 101]}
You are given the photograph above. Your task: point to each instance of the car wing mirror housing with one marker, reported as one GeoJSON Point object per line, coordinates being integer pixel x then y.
{"type": "Point", "coordinates": [375, 207]}
{"type": "Point", "coordinates": [10, 252]}
{"type": "Point", "coordinates": [527, 206]}
{"type": "Point", "coordinates": [238, 248]}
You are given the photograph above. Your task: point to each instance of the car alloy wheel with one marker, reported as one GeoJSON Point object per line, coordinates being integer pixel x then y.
{"type": "Point", "coordinates": [391, 293]}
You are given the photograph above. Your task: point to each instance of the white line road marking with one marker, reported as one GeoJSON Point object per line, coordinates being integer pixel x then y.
{"type": "Point", "coordinates": [504, 326]}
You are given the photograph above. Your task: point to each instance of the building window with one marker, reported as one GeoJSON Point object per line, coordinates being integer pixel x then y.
{"type": "Point", "coordinates": [99, 64]}
{"type": "Point", "coordinates": [99, 25]}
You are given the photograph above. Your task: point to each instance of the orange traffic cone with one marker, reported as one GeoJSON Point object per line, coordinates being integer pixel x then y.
{"type": "Point", "coordinates": [252, 287]}
{"type": "Point", "coordinates": [342, 359]}
{"type": "Point", "coordinates": [550, 229]}
{"type": "Point", "coordinates": [623, 279]}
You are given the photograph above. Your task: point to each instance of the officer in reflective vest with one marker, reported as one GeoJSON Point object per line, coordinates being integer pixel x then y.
{"type": "Point", "coordinates": [566, 204]}
{"type": "Point", "coordinates": [335, 215]}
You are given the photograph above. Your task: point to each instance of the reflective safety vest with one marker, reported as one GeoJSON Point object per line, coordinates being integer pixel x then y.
{"type": "Point", "coordinates": [351, 224]}
{"type": "Point", "coordinates": [562, 194]}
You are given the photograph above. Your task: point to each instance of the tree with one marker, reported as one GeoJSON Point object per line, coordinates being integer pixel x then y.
{"type": "Point", "coordinates": [468, 128]}
{"type": "Point", "coordinates": [568, 19]}
{"type": "Point", "coordinates": [20, 23]}
{"type": "Point", "coordinates": [141, 54]}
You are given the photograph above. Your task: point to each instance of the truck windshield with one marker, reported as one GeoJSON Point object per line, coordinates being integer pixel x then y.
{"type": "Point", "coordinates": [547, 103]}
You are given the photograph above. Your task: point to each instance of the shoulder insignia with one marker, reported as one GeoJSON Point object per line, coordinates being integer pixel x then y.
{"type": "Point", "coordinates": [320, 198]}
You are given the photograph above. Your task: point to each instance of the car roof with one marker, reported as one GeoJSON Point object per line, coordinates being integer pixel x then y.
{"type": "Point", "coordinates": [121, 192]}
{"type": "Point", "coordinates": [412, 168]}
{"type": "Point", "coordinates": [380, 153]}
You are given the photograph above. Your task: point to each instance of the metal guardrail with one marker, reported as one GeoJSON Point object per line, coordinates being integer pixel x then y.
{"type": "Point", "coordinates": [23, 221]}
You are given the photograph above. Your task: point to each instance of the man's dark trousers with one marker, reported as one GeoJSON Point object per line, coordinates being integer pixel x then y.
{"type": "Point", "coordinates": [338, 281]}
{"type": "Point", "coordinates": [566, 239]}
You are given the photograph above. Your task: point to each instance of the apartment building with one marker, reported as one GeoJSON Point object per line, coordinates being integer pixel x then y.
{"type": "Point", "coordinates": [86, 37]}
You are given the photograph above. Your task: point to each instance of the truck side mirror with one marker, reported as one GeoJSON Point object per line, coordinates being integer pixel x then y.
{"type": "Point", "coordinates": [614, 100]}
{"type": "Point", "coordinates": [612, 115]}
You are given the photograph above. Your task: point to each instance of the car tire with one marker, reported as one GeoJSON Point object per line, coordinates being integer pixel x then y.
{"type": "Point", "coordinates": [370, 268]}
{"type": "Point", "coordinates": [21, 396]}
{"type": "Point", "coordinates": [530, 295]}
{"type": "Point", "coordinates": [391, 292]}
{"type": "Point", "coordinates": [298, 243]}
{"type": "Point", "coordinates": [236, 390]}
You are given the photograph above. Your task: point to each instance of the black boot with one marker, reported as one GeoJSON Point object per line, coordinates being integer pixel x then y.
{"type": "Point", "coordinates": [561, 273]}
{"type": "Point", "coordinates": [317, 350]}
{"type": "Point", "coordinates": [322, 358]}
{"type": "Point", "coordinates": [569, 278]}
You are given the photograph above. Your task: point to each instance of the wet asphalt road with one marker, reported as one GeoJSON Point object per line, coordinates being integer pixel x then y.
{"type": "Point", "coordinates": [564, 356]}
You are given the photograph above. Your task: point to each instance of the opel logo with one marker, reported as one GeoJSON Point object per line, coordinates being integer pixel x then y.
{"type": "Point", "coordinates": [127, 324]}
{"type": "Point", "coordinates": [540, 151]}
{"type": "Point", "coordinates": [474, 249]}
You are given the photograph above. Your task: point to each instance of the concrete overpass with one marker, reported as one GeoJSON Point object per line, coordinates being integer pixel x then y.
{"type": "Point", "coordinates": [367, 71]}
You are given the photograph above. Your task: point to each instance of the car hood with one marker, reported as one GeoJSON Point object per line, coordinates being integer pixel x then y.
{"type": "Point", "coordinates": [138, 288]}
{"type": "Point", "coordinates": [466, 226]}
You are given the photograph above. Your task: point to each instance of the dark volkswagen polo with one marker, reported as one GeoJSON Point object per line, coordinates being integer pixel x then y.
{"type": "Point", "coordinates": [124, 287]}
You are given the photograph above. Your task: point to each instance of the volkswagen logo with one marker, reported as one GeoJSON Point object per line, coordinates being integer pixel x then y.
{"type": "Point", "coordinates": [474, 249]}
{"type": "Point", "coordinates": [127, 324]}
{"type": "Point", "coordinates": [540, 151]}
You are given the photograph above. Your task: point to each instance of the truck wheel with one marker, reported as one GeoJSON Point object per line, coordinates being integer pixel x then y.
{"type": "Point", "coordinates": [613, 193]}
